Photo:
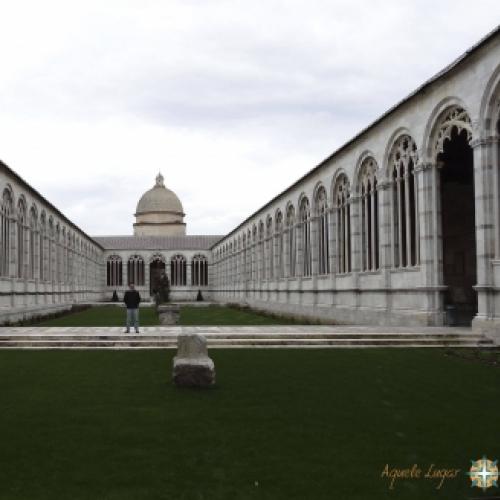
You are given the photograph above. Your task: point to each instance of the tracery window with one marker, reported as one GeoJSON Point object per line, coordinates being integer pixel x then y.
{"type": "Point", "coordinates": [244, 271]}
{"type": "Point", "coordinates": [253, 271]}
{"type": "Point", "coordinates": [305, 236]}
{"type": "Point", "coordinates": [405, 240]}
{"type": "Point", "coordinates": [58, 257]}
{"type": "Point", "coordinates": [6, 231]}
{"type": "Point", "coordinates": [280, 245]}
{"type": "Point", "coordinates": [291, 241]}
{"type": "Point", "coordinates": [369, 215]}
{"type": "Point", "coordinates": [42, 268]}
{"type": "Point", "coordinates": [199, 271]}
{"type": "Point", "coordinates": [114, 271]}
{"type": "Point", "coordinates": [135, 270]}
{"type": "Point", "coordinates": [21, 233]}
{"type": "Point", "coordinates": [32, 243]}
{"type": "Point", "coordinates": [270, 248]}
{"type": "Point", "coordinates": [343, 220]}
{"type": "Point", "coordinates": [178, 270]}
{"type": "Point", "coordinates": [262, 263]}
{"type": "Point", "coordinates": [323, 231]}
{"type": "Point", "coordinates": [50, 253]}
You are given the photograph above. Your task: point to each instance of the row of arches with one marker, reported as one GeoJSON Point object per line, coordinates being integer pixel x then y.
{"type": "Point", "coordinates": [35, 245]}
{"type": "Point", "coordinates": [420, 200]}
{"type": "Point", "coordinates": [136, 270]}
{"type": "Point", "coordinates": [316, 236]}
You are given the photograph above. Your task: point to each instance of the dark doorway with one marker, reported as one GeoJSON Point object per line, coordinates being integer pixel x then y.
{"type": "Point", "coordinates": [156, 269]}
{"type": "Point", "coordinates": [458, 228]}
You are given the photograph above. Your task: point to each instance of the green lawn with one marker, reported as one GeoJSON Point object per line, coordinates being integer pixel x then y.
{"type": "Point", "coordinates": [221, 315]}
{"type": "Point", "coordinates": [280, 424]}
{"type": "Point", "coordinates": [211, 315]}
{"type": "Point", "coordinates": [102, 316]}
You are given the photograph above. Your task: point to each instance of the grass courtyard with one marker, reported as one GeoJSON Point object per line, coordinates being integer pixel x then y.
{"type": "Point", "coordinates": [280, 424]}
{"type": "Point", "coordinates": [112, 315]}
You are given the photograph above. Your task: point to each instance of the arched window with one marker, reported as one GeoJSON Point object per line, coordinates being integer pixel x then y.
{"type": "Point", "coordinates": [402, 163]}
{"type": "Point", "coordinates": [323, 231]}
{"type": "Point", "coordinates": [244, 258]}
{"type": "Point", "coordinates": [270, 248]}
{"type": "Point", "coordinates": [50, 253]}
{"type": "Point", "coordinates": [114, 271]}
{"type": "Point", "coordinates": [6, 230]}
{"type": "Point", "coordinates": [262, 263]}
{"type": "Point", "coordinates": [343, 220]}
{"type": "Point", "coordinates": [58, 256]}
{"type": "Point", "coordinates": [279, 245]}
{"type": "Point", "coordinates": [249, 255]}
{"type": "Point", "coordinates": [292, 244]}
{"type": "Point", "coordinates": [42, 270]}
{"type": "Point", "coordinates": [305, 236]}
{"type": "Point", "coordinates": [178, 270]}
{"type": "Point", "coordinates": [369, 215]}
{"type": "Point", "coordinates": [135, 270]}
{"type": "Point", "coordinates": [253, 272]}
{"type": "Point", "coordinates": [21, 234]}
{"type": "Point", "coordinates": [32, 243]}
{"type": "Point", "coordinates": [68, 257]}
{"type": "Point", "coordinates": [199, 271]}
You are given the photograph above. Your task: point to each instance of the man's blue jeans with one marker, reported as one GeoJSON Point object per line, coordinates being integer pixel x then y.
{"type": "Point", "coordinates": [133, 318]}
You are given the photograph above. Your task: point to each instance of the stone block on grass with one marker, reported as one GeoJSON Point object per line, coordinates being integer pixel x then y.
{"type": "Point", "coordinates": [192, 365]}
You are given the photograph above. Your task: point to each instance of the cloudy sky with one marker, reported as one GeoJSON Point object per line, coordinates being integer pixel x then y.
{"type": "Point", "coordinates": [232, 100]}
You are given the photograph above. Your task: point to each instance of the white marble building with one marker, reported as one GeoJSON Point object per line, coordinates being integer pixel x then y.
{"type": "Point", "coordinates": [398, 226]}
{"type": "Point", "coordinates": [401, 225]}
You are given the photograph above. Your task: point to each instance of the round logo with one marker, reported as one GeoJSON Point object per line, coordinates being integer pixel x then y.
{"type": "Point", "coordinates": [484, 473]}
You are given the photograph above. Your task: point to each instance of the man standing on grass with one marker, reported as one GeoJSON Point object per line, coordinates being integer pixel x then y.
{"type": "Point", "coordinates": [132, 300]}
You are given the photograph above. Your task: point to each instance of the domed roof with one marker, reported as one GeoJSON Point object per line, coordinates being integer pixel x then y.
{"type": "Point", "coordinates": [159, 199]}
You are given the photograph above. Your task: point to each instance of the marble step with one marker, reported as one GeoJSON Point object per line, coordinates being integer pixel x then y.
{"type": "Point", "coordinates": [243, 342]}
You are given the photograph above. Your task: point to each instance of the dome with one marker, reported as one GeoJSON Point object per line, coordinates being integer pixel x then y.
{"type": "Point", "coordinates": [159, 199]}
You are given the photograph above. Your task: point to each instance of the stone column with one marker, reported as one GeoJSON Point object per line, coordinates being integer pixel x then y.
{"type": "Point", "coordinates": [355, 235]}
{"type": "Point", "coordinates": [189, 281]}
{"type": "Point", "coordinates": [315, 245]}
{"type": "Point", "coordinates": [385, 221]}
{"type": "Point", "coordinates": [484, 215]}
{"type": "Point", "coordinates": [299, 238]}
{"type": "Point", "coordinates": [332, 240]}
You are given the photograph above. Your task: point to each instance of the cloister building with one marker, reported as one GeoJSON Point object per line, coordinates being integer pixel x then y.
{"type": "Point", "coordinates": [401, 225]}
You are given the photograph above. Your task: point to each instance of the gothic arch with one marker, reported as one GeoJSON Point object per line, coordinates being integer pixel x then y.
{"type": "Point", "coordinates": [450, 112]}
{"type": "Point", "coordinates": [367, 155]}
{"type": "Point", "coordinates": [339, 173]}
{"type": "Point", "coordinates": [157, 257]}
{"type": "Point", "coordinates": [319, 186]}
{"type": "Point", "coordinates": [385, 168]}
{"type": "Point", "coordinates": [490, 105]}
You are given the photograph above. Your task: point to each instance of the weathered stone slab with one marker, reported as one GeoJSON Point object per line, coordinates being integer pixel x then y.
{"type": "Point", "coordinates": [168, 314]}
{"type": "Point", "coordinates": [192, 365]}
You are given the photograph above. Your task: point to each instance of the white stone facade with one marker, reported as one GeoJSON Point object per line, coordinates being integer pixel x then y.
{"type": "Point", "coordinates": [187, 270]}
{"type": "Point", "coordinates": [361, 238]}
{"type": "Point", "coordinates": [46, 262]}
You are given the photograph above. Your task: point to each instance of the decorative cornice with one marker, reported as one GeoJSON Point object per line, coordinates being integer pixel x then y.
{"type": "Point", "coordinates": [484, 141]}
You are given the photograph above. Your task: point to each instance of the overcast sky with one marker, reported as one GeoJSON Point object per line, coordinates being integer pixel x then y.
{"type": "Point", "coordinates": [231, 100]}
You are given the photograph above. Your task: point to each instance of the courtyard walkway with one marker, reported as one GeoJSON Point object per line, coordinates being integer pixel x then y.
{"type": "Point", "coordinates": [309, 336]}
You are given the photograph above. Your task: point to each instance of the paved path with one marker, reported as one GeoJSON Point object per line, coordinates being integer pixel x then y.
{"type": "Point", "coordinates": [173, 331]}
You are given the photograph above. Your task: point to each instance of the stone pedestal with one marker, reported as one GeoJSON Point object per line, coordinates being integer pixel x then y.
{"type": "Point", "coordinates": [168, 314]}
{"type": "Point", "coordinates": [192, 366]}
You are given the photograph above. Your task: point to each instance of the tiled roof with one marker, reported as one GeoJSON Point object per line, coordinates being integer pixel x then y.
{"type": "Point", "coordinates": [190, 242]}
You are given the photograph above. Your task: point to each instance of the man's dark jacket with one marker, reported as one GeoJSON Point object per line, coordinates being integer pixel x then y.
{"type": "Point", "coordinates": [132, 299]}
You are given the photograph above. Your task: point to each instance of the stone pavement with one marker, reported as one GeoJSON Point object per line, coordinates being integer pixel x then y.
{"type": "Point", "coordinates": [242, 336]}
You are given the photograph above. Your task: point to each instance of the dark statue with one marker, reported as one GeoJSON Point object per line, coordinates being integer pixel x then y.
{"type": "Point", "coordinates": [163, 293]}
